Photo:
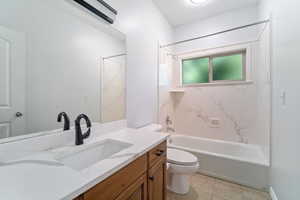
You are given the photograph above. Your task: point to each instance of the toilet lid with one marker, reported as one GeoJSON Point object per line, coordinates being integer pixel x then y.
{"type": "Point", "coordinates": [181, 157]}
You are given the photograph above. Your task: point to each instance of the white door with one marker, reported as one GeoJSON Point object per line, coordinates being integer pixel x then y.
{"type": "Point", "coordinates": [12, 83]}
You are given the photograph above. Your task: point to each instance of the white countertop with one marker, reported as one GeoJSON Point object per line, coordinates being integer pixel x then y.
{"type": "Point", "coordinates": [40, 176]}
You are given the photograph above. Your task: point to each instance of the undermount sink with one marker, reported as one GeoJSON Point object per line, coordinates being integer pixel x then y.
{"type": "Point", "coordinates": [85, 156]}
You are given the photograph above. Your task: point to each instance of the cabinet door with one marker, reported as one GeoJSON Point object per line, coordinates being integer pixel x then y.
{"type": "Point", "coordinates": [116, 184]}
{"type": "Point", "coordinates": [137, 191]}
{"type": "Point", "coordinates": [157, 181]}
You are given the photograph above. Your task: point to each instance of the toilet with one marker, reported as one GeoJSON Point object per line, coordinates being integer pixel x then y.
{"type": "Point", "coordinates": [181, 165]}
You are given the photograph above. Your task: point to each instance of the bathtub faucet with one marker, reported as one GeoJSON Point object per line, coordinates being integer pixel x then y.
{"type": "Point", "coordinates": [168, 123]}
{"type": "Point", "coordinates": [168, 120]}
{"type": "Point", "coordinates": [170, 129]}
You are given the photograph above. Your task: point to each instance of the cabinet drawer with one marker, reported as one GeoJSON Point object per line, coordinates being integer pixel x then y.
{"type": "Point", "coordinates": [157, 153]}
{"type": "Point", "coordinates": [113, 186]}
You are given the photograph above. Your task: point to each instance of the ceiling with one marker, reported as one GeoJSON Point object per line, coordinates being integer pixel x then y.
{"type": "Point", "coordinates": [180, 12]}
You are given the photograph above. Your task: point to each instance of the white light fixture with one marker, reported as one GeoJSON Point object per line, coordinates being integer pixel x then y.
{"type": "Point", "coordinates": [197, 2]}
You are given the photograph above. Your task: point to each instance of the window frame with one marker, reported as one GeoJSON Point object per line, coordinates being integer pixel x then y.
{"type": "Point", "coordinates": [219, 52]}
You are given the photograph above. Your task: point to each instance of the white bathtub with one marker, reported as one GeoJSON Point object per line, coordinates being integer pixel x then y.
{"type": "Point", "coordinates": [241, 163]}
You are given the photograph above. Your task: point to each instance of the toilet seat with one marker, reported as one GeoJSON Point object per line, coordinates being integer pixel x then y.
{"type": "Point", "coordinates": [181, 165]}
{"type": "Point", "coordinates": [179, 157]}
{"type": "Point", "coordinates": [182, 169]}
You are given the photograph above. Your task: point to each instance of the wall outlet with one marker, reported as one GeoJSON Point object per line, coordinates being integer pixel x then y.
{"type": "Point", "coordinates": [214, 122]}
{"type": "Point", "coordinates": [283, 98]}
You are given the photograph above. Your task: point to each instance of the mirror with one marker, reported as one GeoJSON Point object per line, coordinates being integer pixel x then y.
{"type": "Point", "coordinates": [56, 57]}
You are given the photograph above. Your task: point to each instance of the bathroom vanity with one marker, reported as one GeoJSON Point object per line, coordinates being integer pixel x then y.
{"type": "Point", "coordinates": [144, 178]}
{"type": "Point", "coordinates": [116, 163]}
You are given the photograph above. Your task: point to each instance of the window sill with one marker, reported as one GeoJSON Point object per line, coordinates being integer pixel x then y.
{"type": "Point", "coordinates": [220, 84]}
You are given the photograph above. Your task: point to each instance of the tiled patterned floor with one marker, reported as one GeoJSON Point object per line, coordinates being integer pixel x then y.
{"type": "Point", "coordinates": [207, 188]}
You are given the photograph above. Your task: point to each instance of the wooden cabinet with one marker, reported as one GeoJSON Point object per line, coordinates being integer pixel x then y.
{"type": "Point", "coordinates": [157, 181]}
{"type": "Point", "coordinates": [79, 198]}
{"type": "Point", "coordinates": [112, 187]}
{"type": "Point", "coordinates": [157, 169]}
{"type": "Point", "coordinates": [156, 154]}
{"type": "Point", "coordinates": [143, 179]}
{"type": "Point", "coordinates": [137, 191]}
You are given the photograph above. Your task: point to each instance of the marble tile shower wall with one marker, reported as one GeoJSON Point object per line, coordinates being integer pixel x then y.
{"type": "Point", "coordinates": [114, 89]}
{"type": "Point", "coordinates": [235, 113]}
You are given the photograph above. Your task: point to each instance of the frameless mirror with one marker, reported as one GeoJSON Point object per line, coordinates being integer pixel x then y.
{"type": "Point", "coordinates": [57, 57]}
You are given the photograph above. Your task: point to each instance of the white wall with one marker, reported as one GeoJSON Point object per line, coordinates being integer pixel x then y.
{"type": "Point", "coordinates": [285, 173]}
{"type": "Point", "coordinates": [214, 24]}
{"type": "Point", "coordinates": [64, 50]}
{"type": "Point", "coordinates": [144, 26]}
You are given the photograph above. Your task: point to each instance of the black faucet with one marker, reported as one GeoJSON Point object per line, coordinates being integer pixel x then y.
{"type": "Point", "coordinates": [79, 137]}
{"type": "Point", "coordinates": [66, 120]}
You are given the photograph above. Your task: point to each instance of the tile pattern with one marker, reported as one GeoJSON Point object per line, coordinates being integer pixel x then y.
{"type": "Point", "coordinates": [243, 111]}
{"type": "Point", "coordinates": [208, 188]}
{"type": "Point", "coordinates": [113, 89]}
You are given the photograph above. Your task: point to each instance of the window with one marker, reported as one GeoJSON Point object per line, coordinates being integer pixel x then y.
{"type": "Point", "coordinates": [195, 71]}
{"type": "Point", "coordinates": [227, 67]}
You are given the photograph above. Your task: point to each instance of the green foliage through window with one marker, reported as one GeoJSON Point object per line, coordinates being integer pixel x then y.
{"type": "Point", "coordinates": [223, 68]}
{"type": "Point", "coordinates": [195, 71]}
{"type": "Point", "coordinates": [228, 68]}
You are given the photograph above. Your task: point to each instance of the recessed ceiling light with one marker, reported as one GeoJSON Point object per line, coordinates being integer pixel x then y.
{"type": "Point", "coordinates": [197, 2]}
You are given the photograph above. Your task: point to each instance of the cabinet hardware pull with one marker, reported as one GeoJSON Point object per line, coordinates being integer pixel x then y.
{"type": "Point", "coordinates": [160, 152]}
{"type": "Point", "coordinates": [151, 178]}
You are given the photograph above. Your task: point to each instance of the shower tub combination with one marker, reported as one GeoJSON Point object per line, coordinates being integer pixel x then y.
{"type": "Point", "coordinates": [240, 163]}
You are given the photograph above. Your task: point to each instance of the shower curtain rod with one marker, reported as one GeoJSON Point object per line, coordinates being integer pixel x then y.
{"type": "Point", "coordinates": [118, 55]}
{"type": "Point", "coordinates": [217, 33]}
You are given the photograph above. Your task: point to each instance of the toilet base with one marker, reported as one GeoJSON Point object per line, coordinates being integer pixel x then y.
{"type": "Point", "coordinates": [178, 183]}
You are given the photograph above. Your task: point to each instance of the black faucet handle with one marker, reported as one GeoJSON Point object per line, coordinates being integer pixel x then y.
{"type": "Point", "coordinates": [78, 132]}
{"type": "Point", "coordinates": [59, 117]}
{"type": "Point", "coordinates": [87, 133]}
{"type": "Point", "coordinates": [66, 118]}
{"type": "Point", "coordinates": [86, 118]}
{"type": "Point", "coordinates": [88, 123]}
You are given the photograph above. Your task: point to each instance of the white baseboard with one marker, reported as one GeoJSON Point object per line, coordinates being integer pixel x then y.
{"type": "Point", "coordinates": [273, 194]}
